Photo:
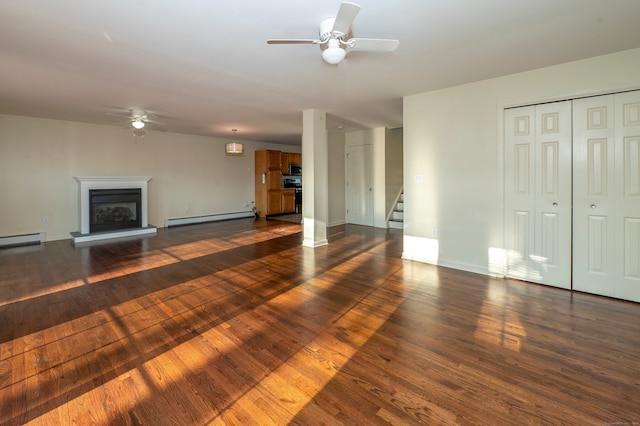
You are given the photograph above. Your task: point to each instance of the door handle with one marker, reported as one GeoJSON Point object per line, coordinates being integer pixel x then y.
{"type": "Point", "coordinates": [593, 206]}
{"type": "Point", "coordinates": [555, 204]}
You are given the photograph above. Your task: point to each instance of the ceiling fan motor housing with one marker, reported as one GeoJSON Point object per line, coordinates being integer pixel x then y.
{"type": "Point", "coordinates": [326, 30]}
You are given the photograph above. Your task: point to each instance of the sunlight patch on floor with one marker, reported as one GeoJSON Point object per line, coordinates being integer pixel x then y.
{"type": "Point", "coordinates": [45, 291]}
{"type": "Point", "coordinates": [216, 350]}
{"type": "Point", "coordinates": [497, 324]}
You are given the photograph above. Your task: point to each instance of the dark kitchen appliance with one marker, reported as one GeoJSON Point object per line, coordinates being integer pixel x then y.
{"type": "Point", "coordinates": [289, 181]}
{"type": "Point", "coordinates": [295, 169]}
{"type": "Point", "coordinates": [298, 200]}
{"type": "Point", "coordinates": [295, 182]}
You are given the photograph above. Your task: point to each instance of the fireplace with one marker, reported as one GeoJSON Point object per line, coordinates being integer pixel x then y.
{"type": "Point", "coordinates": [114, 209]}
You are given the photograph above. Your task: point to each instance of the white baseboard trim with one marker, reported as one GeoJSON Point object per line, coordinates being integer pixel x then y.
{"type": "Point", "coordinates": [309, 242]}
{"type": "Point", "coordinates": [476, 269]}
{"type": "Point", "coordinates": [22, 240]}
{"type": "Point", "coordinates": [456, 265]}
{"type": "Point", "coordinates": [207, 218]}
{"type": "Point", "coordinates": [427, 250]}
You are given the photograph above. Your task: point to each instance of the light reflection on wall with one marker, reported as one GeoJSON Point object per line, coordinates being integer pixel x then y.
{"type": "Point", "coordinates": [511, 263]}
{"type": "Point", "coordinates": [421, 249]}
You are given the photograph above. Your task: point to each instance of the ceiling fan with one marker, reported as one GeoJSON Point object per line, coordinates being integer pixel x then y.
{"type": "Point", "coordinates": [335, 37]}
{"type": "Point", "coordinates": [138, 119]}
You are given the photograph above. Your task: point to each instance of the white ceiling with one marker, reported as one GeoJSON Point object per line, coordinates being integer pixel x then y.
{"type": "Point", "coordinates": [204, 66]}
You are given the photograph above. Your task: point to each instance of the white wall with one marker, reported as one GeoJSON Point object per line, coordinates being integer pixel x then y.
{"type": "Point", "coordinates": [337, 207]}
{"type": "Point", "coordinates": [453, 167]}
{"type": "Point", "coordinates": [39, 159]}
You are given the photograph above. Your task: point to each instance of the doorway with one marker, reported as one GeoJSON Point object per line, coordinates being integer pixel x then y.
{"type": "Point", "coordinates": [359, 183]}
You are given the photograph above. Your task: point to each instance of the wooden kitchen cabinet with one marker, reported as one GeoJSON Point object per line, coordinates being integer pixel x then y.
{"type": "Point", "coordinates": [268, 182]}
{"type": "Point", "coordinates": [271, 199]}
{"type": "Point", "coordinates": [274, 202]}
{"type": "Point", "coordinates": [295, 158]}
{"type": "Point", "coordinates": [287, 158]}
{"type": "Point", "coordinates": [273, 159]}
{"type": "Point", "coordinates": [288, 200]}
{"type": "Point", "coordinates": [274, 180]}
{"type": "Point", "coordinates": [284, 162]}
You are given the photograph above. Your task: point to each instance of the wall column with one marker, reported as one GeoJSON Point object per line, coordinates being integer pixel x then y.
{"type": "Point", "coordinates": [315, 181]}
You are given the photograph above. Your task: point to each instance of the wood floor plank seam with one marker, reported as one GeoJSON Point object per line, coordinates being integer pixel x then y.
{"type": "Point", "coordinates": [238, 323]}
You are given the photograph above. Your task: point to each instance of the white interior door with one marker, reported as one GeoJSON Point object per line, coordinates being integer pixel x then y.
{"type": "Point", "coordinates": [553, 194]}
{"type": "Point", "coordinates": [627, 228]}
{"type": "Point", "coordinates": [519, 192]}
{"type": "Point", "coordinates": [593, 195]}
{"type": "Point", "coordinates": [538, 193]}
{"type": "Point", "coordinates": [607, 195]}
{"type": "Point", "coordinates": [359, 185]}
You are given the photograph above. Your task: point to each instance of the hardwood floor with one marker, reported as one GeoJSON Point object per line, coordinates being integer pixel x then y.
{"type": "Point", "coordinates": [237, 323]}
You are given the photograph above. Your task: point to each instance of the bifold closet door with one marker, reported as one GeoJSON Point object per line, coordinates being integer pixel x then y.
{"type": "Point", "coordinates": [606, 237]}
{"type": "Point", "coordinates": [538, 193]}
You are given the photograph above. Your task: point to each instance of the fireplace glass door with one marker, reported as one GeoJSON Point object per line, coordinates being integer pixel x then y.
{"type": "Point", "coordinates": [115, 209]}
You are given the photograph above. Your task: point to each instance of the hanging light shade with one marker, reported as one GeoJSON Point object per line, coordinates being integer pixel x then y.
{"type": "Point", "coordinates": [234, 148]}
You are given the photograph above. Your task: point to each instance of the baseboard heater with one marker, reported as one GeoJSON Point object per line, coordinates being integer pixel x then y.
{"type": "Point", "coordinates": [208, 218]}
{"type": "Point", "coordinates": [22, 240]}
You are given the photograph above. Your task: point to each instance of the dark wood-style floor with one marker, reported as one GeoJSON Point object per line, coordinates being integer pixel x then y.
{"type": "Point", "coordinates": [237, 323]}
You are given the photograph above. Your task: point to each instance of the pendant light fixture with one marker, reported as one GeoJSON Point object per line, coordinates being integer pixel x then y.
{"type": "Point", "coordinates": [233, 148]}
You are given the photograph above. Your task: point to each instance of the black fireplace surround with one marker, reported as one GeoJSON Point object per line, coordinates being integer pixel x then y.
{"type": "Point", "coordinates": [115, 209]}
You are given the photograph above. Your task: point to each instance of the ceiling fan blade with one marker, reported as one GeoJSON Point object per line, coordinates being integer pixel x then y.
{"type": "Point", "coordinates": [292, 41]}
{"type": "Point", "coordinates": [373, 44]}
{"type": "Point", "coordinates": [125, 115]}
{"type": "Point", "coordinates": [346, 14]}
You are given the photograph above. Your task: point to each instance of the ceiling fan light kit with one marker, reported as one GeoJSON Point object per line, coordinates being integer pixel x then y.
{"type": "Point", "coordinates": [333, 32]}
{"type": "Point", "coordinates": [137, 123]}
{"type": "Point", "coordinates": [334, 54]}
{"type": "Point", "coordinates": [138, 118]}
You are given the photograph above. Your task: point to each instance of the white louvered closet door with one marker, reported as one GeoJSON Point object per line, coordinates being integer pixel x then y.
{"type": "Point", "coordinates": [538, 193]}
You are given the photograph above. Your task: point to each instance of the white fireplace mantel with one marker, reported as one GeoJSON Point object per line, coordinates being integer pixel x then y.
{"type": "Point", "coordinates": [88, 183]}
